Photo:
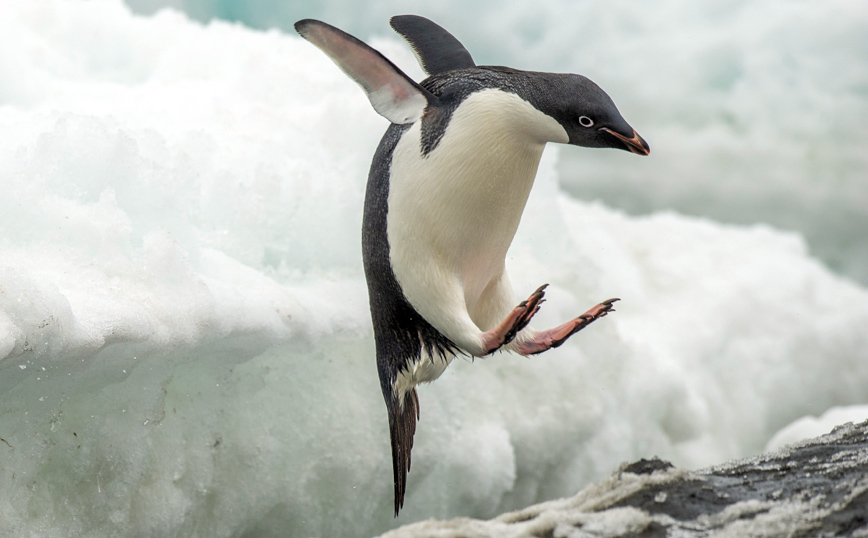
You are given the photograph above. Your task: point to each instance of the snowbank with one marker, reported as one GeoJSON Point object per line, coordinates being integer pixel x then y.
{"type": "Point", "coordinates": [185, 346]}
{"type": "Point", "coordinates": [815, 488]}
{"type": "Point", "coordinates": [728, 91]}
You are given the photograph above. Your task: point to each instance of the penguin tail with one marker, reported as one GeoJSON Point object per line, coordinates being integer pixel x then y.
{"type": "Point", "coordinates": [402, 426]}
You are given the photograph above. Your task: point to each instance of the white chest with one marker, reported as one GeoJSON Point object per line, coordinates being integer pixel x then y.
{"type": "Point", "coordinates": [453, 213]}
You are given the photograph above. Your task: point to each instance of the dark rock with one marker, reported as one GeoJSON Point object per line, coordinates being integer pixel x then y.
{"type": "Point", "coordinates": [816, 488]}
{"type": "Point", "coordinates": [644, 466]}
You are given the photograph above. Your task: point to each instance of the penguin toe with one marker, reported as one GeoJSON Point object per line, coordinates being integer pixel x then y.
{"type": "Point", "coordinates": [517, 320]}
{"type": "Point", "coordinates": [545, 340]}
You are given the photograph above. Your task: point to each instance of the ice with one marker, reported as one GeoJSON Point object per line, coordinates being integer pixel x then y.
{"type": "Point", "coordinates": [812, 426]}
{"type": "Point", "coordinates": [725, 91]}
{"type": "Point", "coordinates": [185, 348]}
{"type": "Point", "coordinates": [814, 488]}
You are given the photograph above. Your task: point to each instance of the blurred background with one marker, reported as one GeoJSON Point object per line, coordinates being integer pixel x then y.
{"type": "Point", "coordinates": [185, 339]}
{"type": "Point", "coordinates": [756, 112]}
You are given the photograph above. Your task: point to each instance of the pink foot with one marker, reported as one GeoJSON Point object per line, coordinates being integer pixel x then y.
{"type": "Point", "coordinates": [516, 320]}
{"type": "Point", "coordinates": [545, 340]}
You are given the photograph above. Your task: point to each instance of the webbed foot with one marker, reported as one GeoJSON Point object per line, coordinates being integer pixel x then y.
{"type": "Point", "coordinates": [516, 320]}
{"type": "Point", "coordinates": [545, 340]}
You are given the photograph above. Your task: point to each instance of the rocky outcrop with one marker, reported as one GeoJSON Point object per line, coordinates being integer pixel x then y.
{"type": "Point", "coordinates": [816, 488]}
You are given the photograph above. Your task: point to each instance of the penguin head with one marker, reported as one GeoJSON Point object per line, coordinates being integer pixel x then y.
{"type": "Point", "coordinates": [588, 114]}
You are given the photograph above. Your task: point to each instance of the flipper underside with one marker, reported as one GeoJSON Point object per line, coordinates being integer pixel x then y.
{"type": "Point", "coordinates": [393, 94]}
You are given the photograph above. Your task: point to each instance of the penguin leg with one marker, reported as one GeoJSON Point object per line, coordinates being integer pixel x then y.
{"type": "Point", "coordinates": [515, 321]}
{"type": "Point", "coordinates": [545, 340]}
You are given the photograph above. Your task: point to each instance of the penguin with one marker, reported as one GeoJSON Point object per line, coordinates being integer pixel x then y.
{"type": "Point", "coordinates": [446, 190]}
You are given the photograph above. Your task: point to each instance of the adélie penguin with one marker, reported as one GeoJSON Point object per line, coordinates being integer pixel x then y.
{"type": "Point", "coordinates": [446, 191]}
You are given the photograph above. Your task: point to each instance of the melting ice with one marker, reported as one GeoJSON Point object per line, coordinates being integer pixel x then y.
{"type": "Point", "coordinates": [185, 347]}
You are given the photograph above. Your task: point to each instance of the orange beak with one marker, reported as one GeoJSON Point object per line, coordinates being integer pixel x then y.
{"type": "Point", "coordinates": [636, 144]}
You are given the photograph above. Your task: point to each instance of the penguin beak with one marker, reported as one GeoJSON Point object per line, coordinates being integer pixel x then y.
{"type": "Point", "coordinates": [636, 144]}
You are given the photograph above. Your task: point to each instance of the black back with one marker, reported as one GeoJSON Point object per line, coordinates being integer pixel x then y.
{"type": "Point", "coordinates": [437, 50]}
{"type": "Point", "coordinates": [400, 333]}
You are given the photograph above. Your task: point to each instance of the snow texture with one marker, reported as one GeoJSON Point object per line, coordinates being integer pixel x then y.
{"type": "Point", "coordinates": [810, 426]}
{"type": "Point", "coordinates": [817, 488]}
{"type": "Point", "coordinates": [185, 344]}
{"type": "Point", "coordinates": [726, 92]}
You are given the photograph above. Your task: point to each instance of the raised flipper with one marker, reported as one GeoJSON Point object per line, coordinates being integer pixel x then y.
{"type": "Point", "coordinates": [436, 49]}
{"type": "Point", "coordinates": [394, 95]}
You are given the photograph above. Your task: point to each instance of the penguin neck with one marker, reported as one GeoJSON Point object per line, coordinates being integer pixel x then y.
{"type": "Point", "coordinates": [502, 119]}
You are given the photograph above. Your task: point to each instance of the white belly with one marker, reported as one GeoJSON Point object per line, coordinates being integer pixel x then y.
{"type": "Point", "coordinates": [453, 214]}
{"type": "Point", "coordinates": [424, 371]}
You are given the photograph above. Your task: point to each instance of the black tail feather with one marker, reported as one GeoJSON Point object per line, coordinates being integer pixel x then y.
{"type": "Point", "coordinates": [402, 426]}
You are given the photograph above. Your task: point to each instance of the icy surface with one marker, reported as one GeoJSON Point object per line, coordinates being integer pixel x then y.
{"type": "Point", "coordinates": [811, 426]}
{"type": "Point", "coordinates": [725, 92]}
{"type": "Point", "coordinates": [817, 488]}
{"type": "Point", "coordinates": [185, 348]}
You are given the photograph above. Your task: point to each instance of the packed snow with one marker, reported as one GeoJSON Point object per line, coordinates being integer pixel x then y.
{"type": "Point", "coordinates": [185, 347]}
{"type": "Point", "coordinates": [725, 92]}
{"type": "Point", "coordinates": [813, 426]}
{"type": "Point", "coordinates": [813, 488]}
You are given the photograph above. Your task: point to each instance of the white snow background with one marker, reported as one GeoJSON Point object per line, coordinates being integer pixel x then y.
{"type": "Point", "coordinates": [185, 347]}
{"type": "Point", "coordinates": [756, 109]}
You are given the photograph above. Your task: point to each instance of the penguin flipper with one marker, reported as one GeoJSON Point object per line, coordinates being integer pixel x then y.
{"type": "Point", "coordinates": [436, 49]}
{"type": "Point", "coordinates": [394, 95]}
{"type": "Point", "coordinates": [402, 426]}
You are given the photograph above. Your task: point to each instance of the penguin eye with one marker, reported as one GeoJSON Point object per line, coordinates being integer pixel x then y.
{"type": "Point", "coordinates": [586, 121]}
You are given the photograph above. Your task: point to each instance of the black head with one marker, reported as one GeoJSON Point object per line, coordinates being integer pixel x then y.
{"type": "Point", "coordinates": [586, 112]}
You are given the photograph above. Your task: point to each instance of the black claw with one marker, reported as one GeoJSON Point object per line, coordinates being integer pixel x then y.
{"type": "Point", "coordinates": [610, 302]}
{"type": "Point", "coordinates": [523, 321]}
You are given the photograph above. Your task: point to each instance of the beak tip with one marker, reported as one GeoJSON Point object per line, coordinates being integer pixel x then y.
{"type": "Point", "coordinates": [642, 147]}
{"type": "Point", "coordinates": [636, 144]}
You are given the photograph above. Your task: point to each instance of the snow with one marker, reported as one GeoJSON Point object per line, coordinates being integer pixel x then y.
{"type": "Point", "coordinates": [185, 348]}
{"type": "Point", "coordinates": [560, 517]}
{"type": "Point", "coordinates": [725, 92]}
{"type": "Point", "coordinates": [814, 488]}
{"type": "Point", "coordinates": [812, 426]}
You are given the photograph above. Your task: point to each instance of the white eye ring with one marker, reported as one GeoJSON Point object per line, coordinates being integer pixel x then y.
{"type": "Point", "coordinates": [586, 121]}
